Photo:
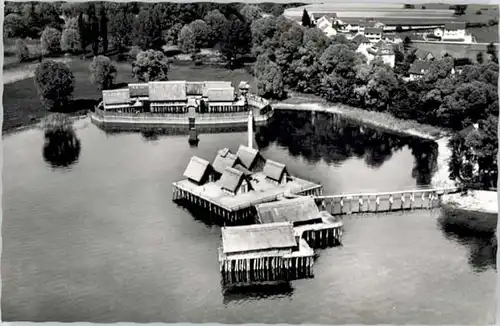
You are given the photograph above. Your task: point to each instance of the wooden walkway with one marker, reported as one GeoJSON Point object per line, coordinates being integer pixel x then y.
{"type": "Point", "coordinates": [383, 201]}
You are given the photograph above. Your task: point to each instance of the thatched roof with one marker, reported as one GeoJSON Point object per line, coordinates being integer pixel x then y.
{"type": "Point", "coordinates": [419, 67]}
{"type": "Point", "coordinates": [257, 237]}
{"type": "Point", "coordinates": [360, 39]}
{"type": "Point", "coordinates": [274, 170]}
{"type": "Point", "coordinates": [247, 156]}
{"type": "Point", "coordinates": [116, 96]}
{"type": "Point", "coordinates": [167, 91]}
{"type": "Point", "coordinates": [214, 84]}
{"type": "Point", "coordinates": [194, 88]}
{"type": "Point", "coordinates": [288, 210]}
{"type": "Point", "coordinates": [242, 169]}
{"type": "Point", "coordinates": [230, 179]}
{"type": "Point", "coordinates": [220, 94]}
{"type": "Point", "coordinates": [223, 160]}
{"type": "Point", "coordinates": [196, 169]}
{"type": "Point", "coordinates": [139, 90]}
{"type": "Point", "coordinates": [422, 54]}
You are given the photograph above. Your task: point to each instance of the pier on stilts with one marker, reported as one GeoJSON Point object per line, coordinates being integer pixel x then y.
{"type": "Point", "coordinates": [263, 253]}
{"type": "Point", "coordinates": [405, 200]}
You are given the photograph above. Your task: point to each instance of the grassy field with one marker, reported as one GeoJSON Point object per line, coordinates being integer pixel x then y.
{"type": "Point", "coordinates": [485, 34]}
{"type": "Point", "coordinates": [9, 50]}
{"type": "Point", "coordinates": [22, 105]}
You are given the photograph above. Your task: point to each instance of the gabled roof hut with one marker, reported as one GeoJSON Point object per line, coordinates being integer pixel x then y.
{"type": "Point", "coordinates": [258, 237]}
{"type": "Point", "coordinates": [139, 90]}
{"type": "Point", "coordinates": [301, 209]}
{"type": "Point", "coordinates": [232, 179]}
{"type": "Point", "coordinates": [224, 159]}
{"type": "Point", "coordinates": [198, 170]}
{"type": "Point", "coordinates": [220, 94]}
{"type": "Point", "coordinates": [171, 91]}
{"type": "Point", "coordinates": [274, 170]}
{"type": "Point", "coordinates": [116, 97]}
{"type": "Point", "coordinates": [247, 156]}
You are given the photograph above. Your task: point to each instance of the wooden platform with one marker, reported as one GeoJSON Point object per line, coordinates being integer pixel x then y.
{"type": "Point", "coordinates": [237, 207]}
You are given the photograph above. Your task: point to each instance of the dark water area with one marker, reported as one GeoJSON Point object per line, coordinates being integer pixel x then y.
{"type": "Point", "coordinates": [99, 239]}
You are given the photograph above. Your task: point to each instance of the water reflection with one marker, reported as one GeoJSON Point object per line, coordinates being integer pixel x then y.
{"type": "Point", "coordinates": [482, 247]}
{"type": "Point", "coordinates": [256, 292]}
{"type": "Point", "coordinates": [334, 139]}
{"type": "Point", "coordinates": [61, 148]}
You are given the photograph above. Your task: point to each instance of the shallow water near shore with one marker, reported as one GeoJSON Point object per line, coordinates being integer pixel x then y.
{"type": "Point", "coordinates": [100, 240]}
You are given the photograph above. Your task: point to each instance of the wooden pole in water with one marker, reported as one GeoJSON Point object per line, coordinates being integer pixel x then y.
{"type": "Point", "coordinates": [391, 200]}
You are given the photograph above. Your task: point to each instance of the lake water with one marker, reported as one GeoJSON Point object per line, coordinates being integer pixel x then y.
{"type": "Point", "coordinates": [94, 236]}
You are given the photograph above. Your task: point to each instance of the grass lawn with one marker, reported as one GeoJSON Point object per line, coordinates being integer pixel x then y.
{"type": "Point", "coordinates": [485, 34]}
{"type": "Point", "coordinates": [22, 104]}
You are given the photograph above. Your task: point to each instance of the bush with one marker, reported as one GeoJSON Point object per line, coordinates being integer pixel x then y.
{"type": "Point", "coordinates": [150, 65]}
{"type": "Point", "coordinates": [102, 72]}
{"type": "Point", "coordinates": [132, 54]}
{"type": "Point", "coordinates": [70, 40]}
{"type": "Point", "coordinates": [55, 83]}
{"type": "Point", "coordinates": [12, 25]}
{"type": "Point", "coordinates": [479, 12]}
{"type": "Point", "coordinates": [22, 51]}
{"type": "Point", "coordinates": [50, 41]}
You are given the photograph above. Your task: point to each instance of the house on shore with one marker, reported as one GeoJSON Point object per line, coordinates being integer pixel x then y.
{"type": "Point", "coordinates": [418, 69]}
{"type": "Point", "coordinates": [453, 32]}
{"type": "Point", "coordinates": [381, 49]}
{"type": "Point", "coordinates": [374, 34]}
{"type": "Point", "coordinates": [424, 55]}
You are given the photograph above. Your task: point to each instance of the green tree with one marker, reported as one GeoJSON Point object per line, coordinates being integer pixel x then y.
{"type": "Point", "coordinates": [13, 25]}
{"type": "Point", "coordinates": [306, 20]}
{"type": "Point", "coordinates": [492, 51]}
{"type": "Point", "coordinates": [216, 22]}
{"type": "Point", "coordinates": [269, 79]}
{"type": "Point", "coordinates": [263, 30]}
{"type": "Point", "coordinates": [151, 65]}
{"type": "Point", "coordinates": [251, 12]}
{"type": "Point", "coordinates": [55, 83]}
{"type": "Point", "coordinates": [102, 72]}
{"type": "Point", "coordinates": [480, 57]}
{"type": "Point", "coordinates": [186, 40]}
{"type": "Point", "coordinates": [120, 25]}
{"type": "Point", "coordinates": [171, 36]}
{"type": "Point", "coordinates": [70, 40]}
{"type": "Point", "coordinates": [236, 41]}
{"type": "Point", "coordinates": [50, 41]}
{"type": "Point", "coordinates": [200, 30]}
{"type": "Point", "coordinates": [147, 35]}
{"type": "Point", "coordinates": [103, 27]}
{"type": "Point", "coordinates": [22, 51]}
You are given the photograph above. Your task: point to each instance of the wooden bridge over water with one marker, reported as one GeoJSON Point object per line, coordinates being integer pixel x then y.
{"type": "Point", "coordinates": [379, 202]}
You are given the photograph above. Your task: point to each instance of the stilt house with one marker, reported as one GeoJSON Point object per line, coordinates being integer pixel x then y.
{"type": "Point", "coordinates": [250, 158]}
{"type": "Point", "coordinates": [234, 182]}
{"type": "Point", "coordinates": [198, 171]}
{"type": "Point", "coordinates": [168, 97]}
{"type": "Point", "coordinates": [298, 211]}
{"type": "Point", "coordinates": [276, 172]}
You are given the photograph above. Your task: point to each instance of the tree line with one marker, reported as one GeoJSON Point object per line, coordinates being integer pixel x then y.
{"type": "Point", "coordinates": [293, 57]}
